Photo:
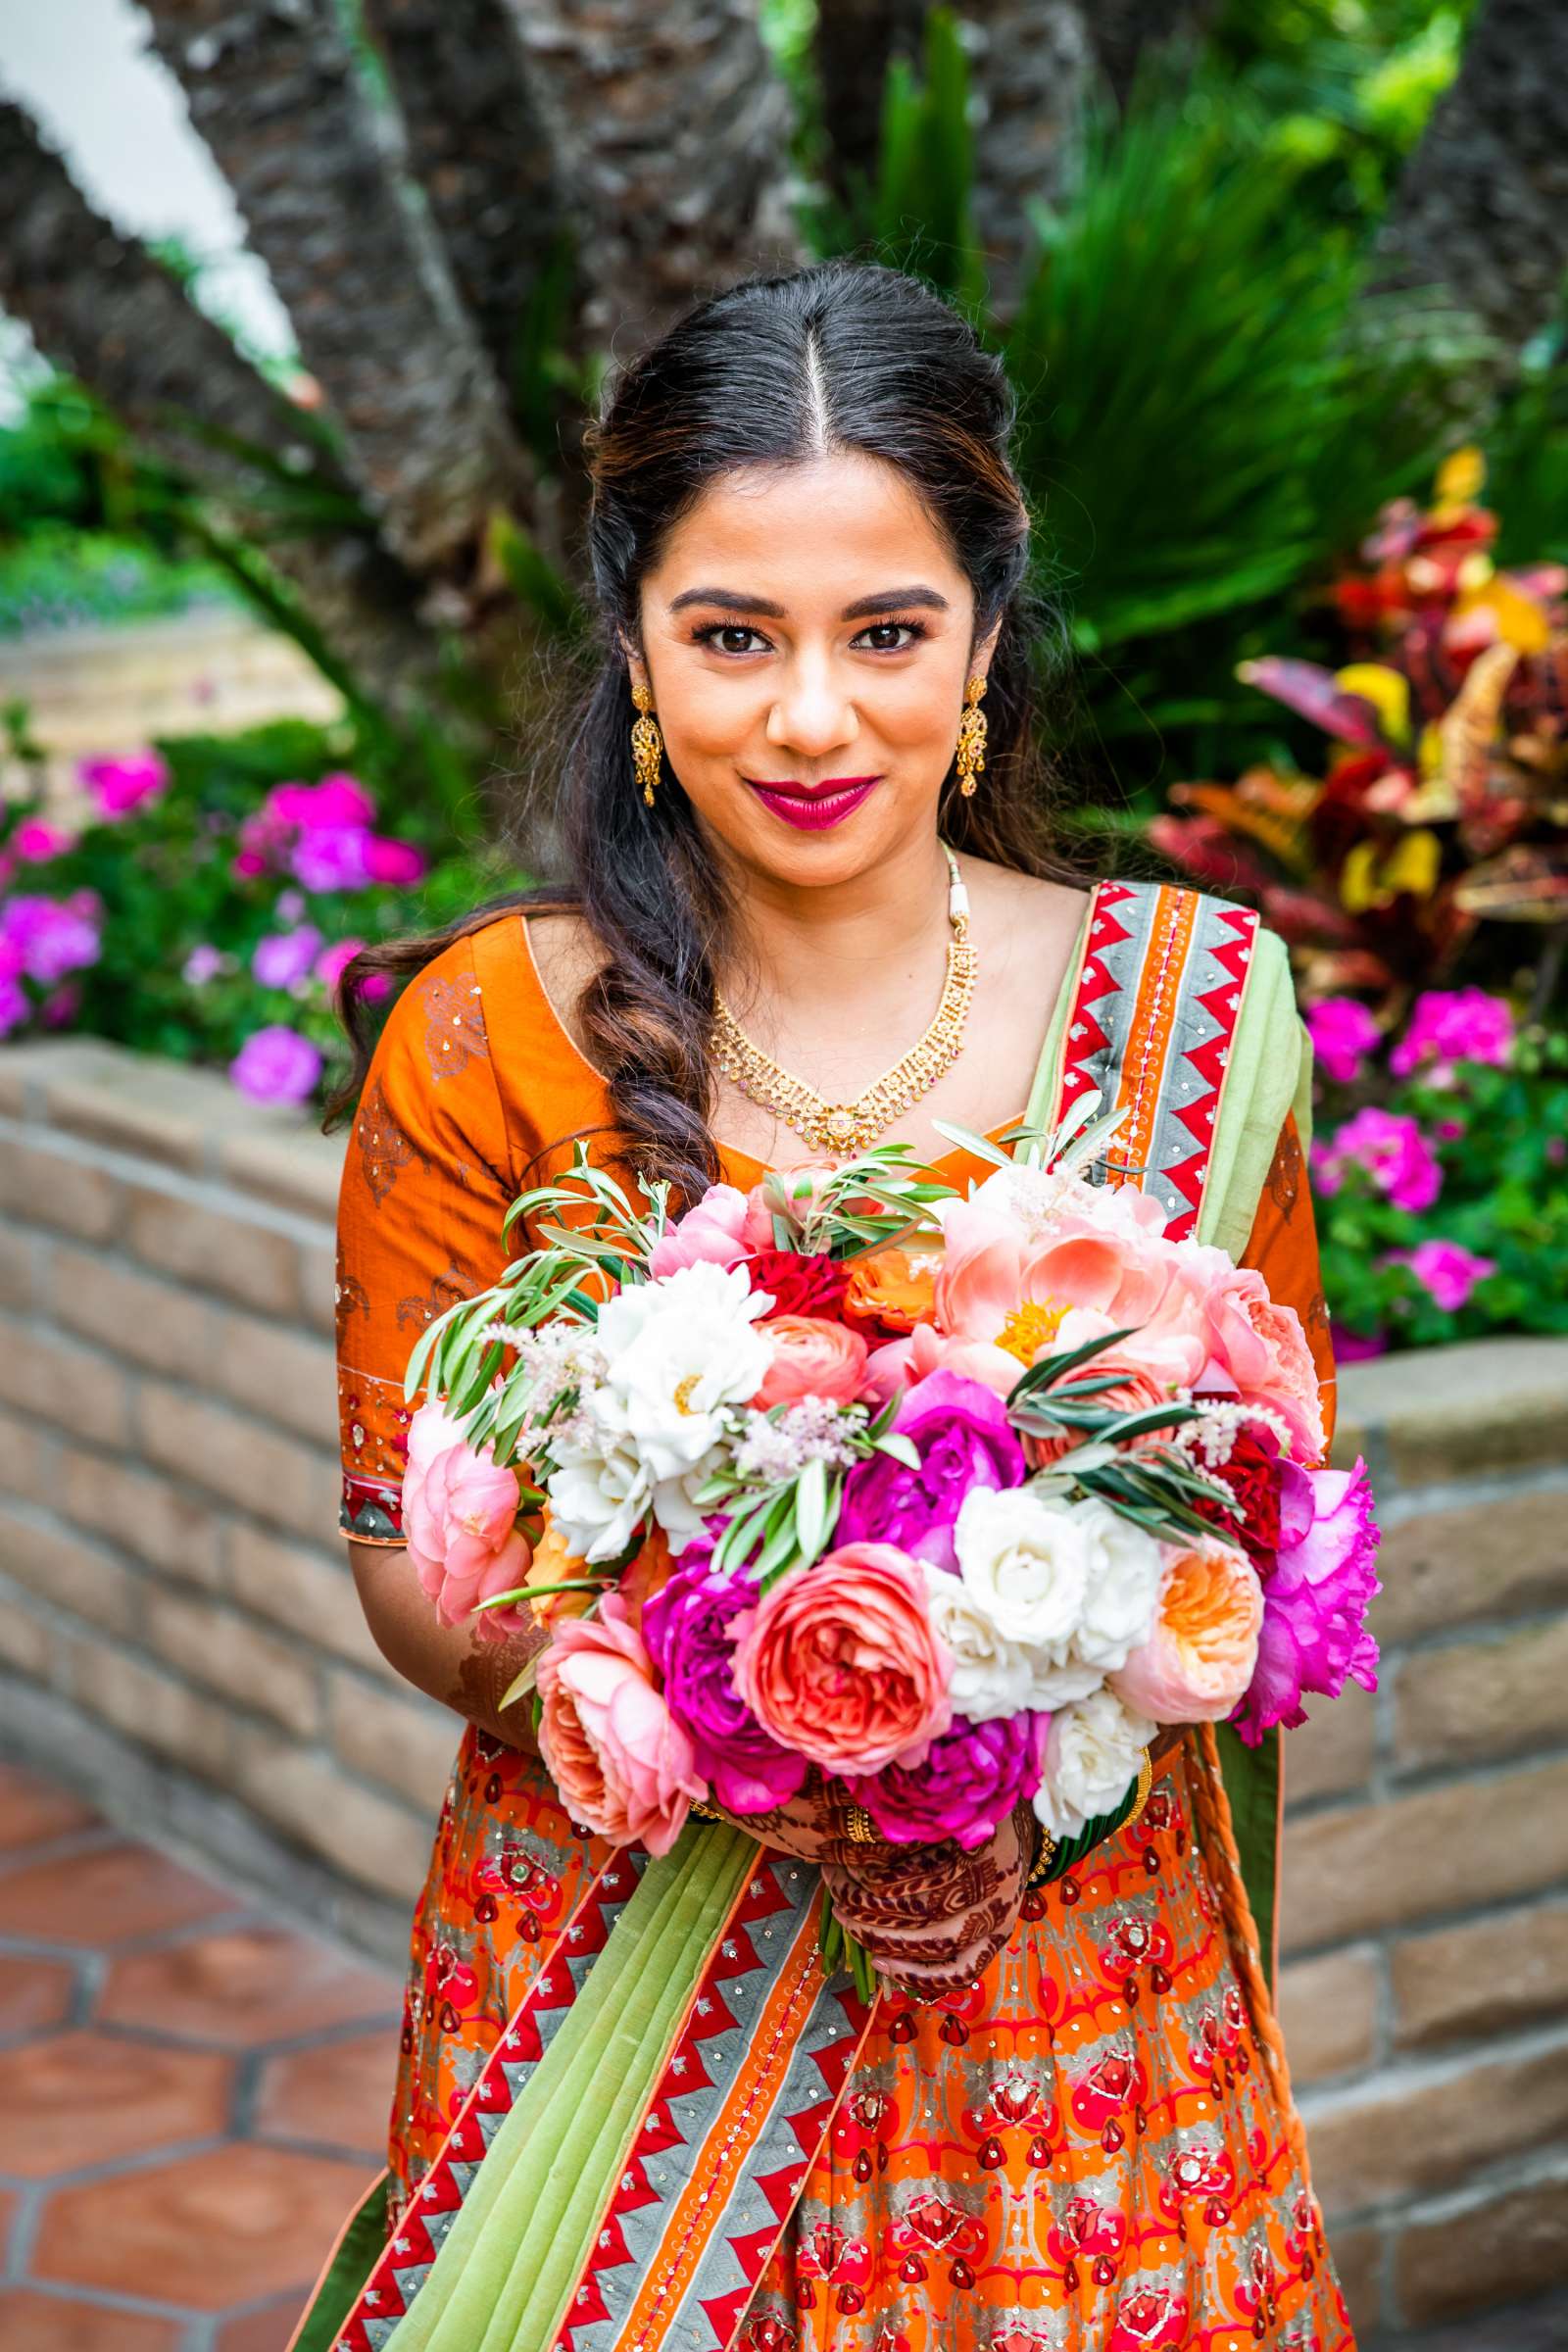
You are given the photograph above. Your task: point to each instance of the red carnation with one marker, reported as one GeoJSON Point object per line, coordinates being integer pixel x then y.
{"type": "Point", "coordinates": [799, 1285]}
{"type": "Point", "coordinates": [1252, 1474]}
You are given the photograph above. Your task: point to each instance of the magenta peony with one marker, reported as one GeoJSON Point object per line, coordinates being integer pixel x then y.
{"type": "Point", "coordinates": [688, 1627]}
{"type": "Point", "coordinates": [1314, 1635]}
{"type": "Point", "coordinates": [620, 1760]}
{"type": "Point", "coordinates": [973, 1776]}
{"type": "Point", "coordinates": [961, 1430]}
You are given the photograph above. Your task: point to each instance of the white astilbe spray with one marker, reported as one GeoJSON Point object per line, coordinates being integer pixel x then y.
{"type": "Point", "coordinates": [813, 1429]}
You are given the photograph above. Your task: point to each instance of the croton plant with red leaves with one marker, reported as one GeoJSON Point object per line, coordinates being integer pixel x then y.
{"type": "Point", "coordinates": [1445, 802]}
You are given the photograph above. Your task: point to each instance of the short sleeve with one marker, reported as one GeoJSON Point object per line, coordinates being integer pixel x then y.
{"type": "Point", "coordinates": [1283, 1248]}
{"type": "Point", "coordinates": [427, 1182]}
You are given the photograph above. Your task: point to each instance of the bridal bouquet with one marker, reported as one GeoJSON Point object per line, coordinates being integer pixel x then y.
{"type": "Point", "coordinates": [955, 1496]}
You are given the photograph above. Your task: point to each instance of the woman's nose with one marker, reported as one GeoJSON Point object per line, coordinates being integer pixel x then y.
{"type": "Point", "coordinates": [811, 712]}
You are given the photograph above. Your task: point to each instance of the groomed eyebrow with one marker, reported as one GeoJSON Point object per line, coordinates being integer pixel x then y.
{"type": "Point", "coordinates": [886, 600]}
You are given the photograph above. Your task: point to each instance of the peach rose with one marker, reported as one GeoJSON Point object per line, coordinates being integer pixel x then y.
{"type": "Point", "coordinates": [622, 1763]}
{"type": "Point", "coordinates": [812, 1358]}
{"type": "Point", "coordinates": [1264, 1350]}
{"type": "Point", "coordinates": [460, 1523]}
{"type": "Point", "coordinates": [839, 1662]}
{"type": "Point", "coordinates": [1197, 1663]}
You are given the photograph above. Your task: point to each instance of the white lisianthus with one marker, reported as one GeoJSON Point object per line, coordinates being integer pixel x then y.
{"type": "Point", "coordinates": [1092, 1757]}
{"type": "Point", "coordinates": [1025, 1561]}
{"type": "Point", "coordinates": [991, 1676]}
{"type": "Point", "coordinates": [679, 1355]}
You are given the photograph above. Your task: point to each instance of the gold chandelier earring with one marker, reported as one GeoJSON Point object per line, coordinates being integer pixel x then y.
{"type": "Point", "coordinates": [647, 743]}
{"type": "Point", "coordinates": [971, 737]}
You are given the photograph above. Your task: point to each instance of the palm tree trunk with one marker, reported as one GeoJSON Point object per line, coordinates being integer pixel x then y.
{"type": "Point", "coordinates": [854, 41]}
{"type": "Point", "coordinates": [279, 98]}
{"type": "Point", "coordinates": [1482, 208]}
{"type": "Point", "coordinates": [100, 308]}
{"type": "Point", "coordinates": [1032, 64]}
{"type": "Point", "coordinates": [672, 131]}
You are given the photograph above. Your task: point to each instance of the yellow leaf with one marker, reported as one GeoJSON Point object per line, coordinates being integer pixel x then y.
{"type": "Point", "coordinates": [1386, 690]}
{"type": "Point", "coordinates": [1413, 865]}
{"type": "Point", "coordinates": [1521, 621]}
{"type": "Point", "coordinates": [1461, 476]}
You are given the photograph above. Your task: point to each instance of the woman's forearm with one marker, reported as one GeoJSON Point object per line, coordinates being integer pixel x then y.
{"type": "Point", "coordinates": [452, 1663]}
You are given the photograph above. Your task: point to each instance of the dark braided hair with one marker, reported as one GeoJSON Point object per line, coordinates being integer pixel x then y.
{"type": "Point", "coordinates": [843, 355]}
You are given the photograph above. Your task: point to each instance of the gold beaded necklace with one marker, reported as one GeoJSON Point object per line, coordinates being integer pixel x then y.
{"type": "Point", "coordinates": [842, 1128]}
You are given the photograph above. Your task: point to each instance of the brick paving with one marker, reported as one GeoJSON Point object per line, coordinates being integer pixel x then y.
{"type": "Point", "coordinates": [193, 2095]}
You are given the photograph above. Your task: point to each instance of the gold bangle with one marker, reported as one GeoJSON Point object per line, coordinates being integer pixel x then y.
{"type": "Point", "coordinates": [706, 1812]}
{"type": "Point", "coordinates": [1043, 1860]}
{"type": "Point", "coordinates": [860, 1827]}
{"type": "Point", "coordinates": [1145, 1781]}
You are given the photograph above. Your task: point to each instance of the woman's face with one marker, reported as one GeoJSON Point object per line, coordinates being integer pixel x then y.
{"type": "Point", "coordinates": [807, 631]}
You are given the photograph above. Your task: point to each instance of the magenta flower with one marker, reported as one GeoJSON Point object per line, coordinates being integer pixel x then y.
{"type": "Point", "coordinates": [276, 1064]}
{"type": "Point", "coordinates": [1314, 1635]}
{"type": "Point", "coordinates": [1355, 1347]}
{"type": "Point", "coordinates": [1450, 1025]}
{"type": "Point", "coordinates": [339, 799]}
{"type": "Point", "coordinates": [685, 1626]}
{"type": "Point", "coordinates": [51, 937]}
{"type": "Point", "coordinates": [331, 857]}
{"type": "Point", "coordinates": [284, 958]}
{"type": "Point", "coordinates": [1342, 1034]}
{"type": "Point", "coordinates": [961, 1430]}
{"type": "Point", "coordinates": [33, 841]}
{"type": "Point", "coordinates": [396, 862]}
{"type": "Point", "coordinates": [972, 1776]}
{"type": "Point", "coordinates": [60, 1005]}
{"type": "Point", "coordinates": [1445, 1270]}
{"type": "Point", "coordinates": [1393, 1151]}
{"type": "Point", "coordinates": [14, 1005]}
{"type": "Point", "coordinates": [121, 784]}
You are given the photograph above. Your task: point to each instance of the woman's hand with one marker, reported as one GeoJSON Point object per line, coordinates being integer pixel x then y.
{"type": "Point", "coordinates": [814, 1824]}
{"type": "Point", "coordinates": [932, 1917]}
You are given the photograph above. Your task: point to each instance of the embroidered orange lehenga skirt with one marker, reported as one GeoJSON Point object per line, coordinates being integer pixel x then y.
{"type": "Point", "coordinates": [1088, 2149]}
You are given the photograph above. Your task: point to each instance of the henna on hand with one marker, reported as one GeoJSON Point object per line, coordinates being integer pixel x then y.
{"type": "Point", "coordinates": [933, 1917]}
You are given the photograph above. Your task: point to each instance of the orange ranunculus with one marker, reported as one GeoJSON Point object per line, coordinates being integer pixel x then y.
{"type": "Point", "coordinates": [1196, 1662]}
{"type": "Point", "coordinates": [812, 1358]}
{"type": "Point", "coordinates": [894, 1286]}
{"type": "Point", "coordinates": [839, 1662]}
{"type": "Point", "coordinates": [553, 1562]}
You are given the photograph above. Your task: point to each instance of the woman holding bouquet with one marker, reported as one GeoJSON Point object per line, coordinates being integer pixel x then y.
{"type": "Point", "coordinates": [812, 906]}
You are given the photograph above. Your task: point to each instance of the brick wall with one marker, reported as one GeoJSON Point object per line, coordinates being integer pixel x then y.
{"type": "Point", "coordinates": [179, 1637]}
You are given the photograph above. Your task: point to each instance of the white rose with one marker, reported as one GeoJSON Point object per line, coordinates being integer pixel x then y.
{"type": "Point", "coordinates": [1125, 1571]}
{"type": "Point", "coordinates": [597, 1498]}
{"type": "Point", "coordinates": [677, 1353]}
{"type": "Point", "coordinates": [991, 1676]}
{"type": "Point", "coordinates": [1025, 1560]}
{"type": "Point", "coordinates": [1092, 1756]}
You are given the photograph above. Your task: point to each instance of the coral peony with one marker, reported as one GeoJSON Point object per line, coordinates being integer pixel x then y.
{"type": "Point", "coordinates": [812, 1358]}
{"type": "Point", "coordinates": [840, 1662]}
{"type": "Point", "coordinates": [973, 1776]}
{"type": "Point", "coordinates": [1314, 1635]}
{"type": "Point", "coordinates": [620, 1760]}
{"type": "Point", "coordinates": [962, 1433]}
{"type": "Point", "coordinates": [460, 1522]}
{"type": "Point", "coordinates": [1199, 1657]}
{"type": "Point", "coordinates": [688, 1627]}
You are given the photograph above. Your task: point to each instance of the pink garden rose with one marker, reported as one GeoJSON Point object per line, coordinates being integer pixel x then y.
{"type": "Point", "coordinates": [1261, 1347]}
{"type": "Point", "coordinates": [1196, 1662]}
{"type": "Point", "coordinates": [620, 1760]}
{"type": "Point", "coordinates": [840, 1662]}
{"type": "Point", "coordinates": [460, 1522]}
{"type": "Point", "coordinates": [812, 1358]}
{"type": "Point", "coordinates": [710, 1231]}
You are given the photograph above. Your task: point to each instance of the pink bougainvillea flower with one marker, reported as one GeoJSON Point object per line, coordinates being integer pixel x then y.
{"type": "Point", "coordinates": [1343, 1033]}
{"type": "Point", "coordinates": [840, 1662]}
{"type": "Point", "coordinates": [622, 1763]}
{"type": "Point", "coordinates": [203, 964]}
{"type": "Point", "coordinates": [399, 864]}
{"type": "Point", "coordinates": [711, 1230]}
{"type": "Point", "coordinates": [1450, 1025]}
{"type": "Point", "coordinates": [1445, 1270]}
{"type": "Point", "coordinates": [812, 1358]}
{"type": "Point", "coordinates": [121, 784]}
{"type": "Point", "coordinates": [1314, 1636]}
{"type": "Point", "coordinates": [276, 1064]}
{"type": "Point", "coordinates": [460, 1523]}
{"type": "Point", "coordinates": [1392, 1148]}
{"type": "Point", "coordinates": [47, 938]}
